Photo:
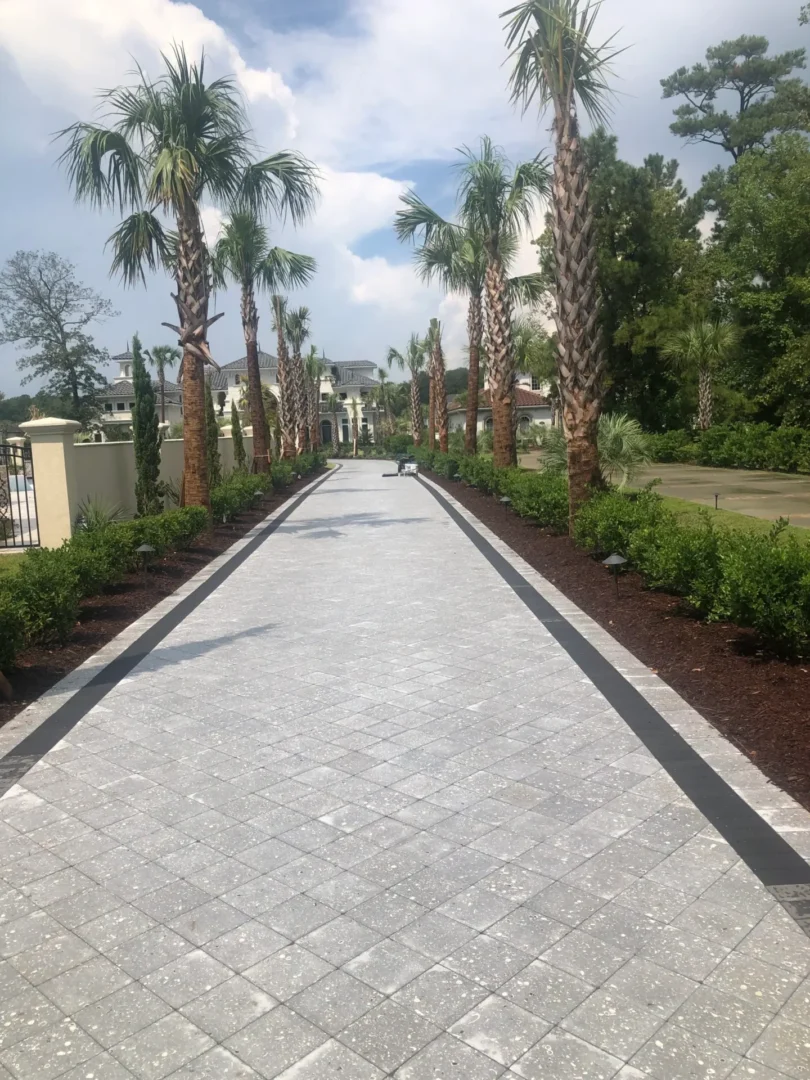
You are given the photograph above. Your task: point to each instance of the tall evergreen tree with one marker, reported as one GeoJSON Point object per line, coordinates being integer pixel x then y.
{"type": "Point", "coordinates": [212, 459]}
{"type": "Point", "coordinates": [239, 455]}
{"type": "Point", "coordinates": [145, 436]}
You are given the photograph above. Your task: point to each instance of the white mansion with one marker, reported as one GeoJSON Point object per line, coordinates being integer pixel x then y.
{"type": "Point", "coordinates": [348, 380]}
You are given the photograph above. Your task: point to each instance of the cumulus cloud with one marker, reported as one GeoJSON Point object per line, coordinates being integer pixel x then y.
{"type": "Point", "coordinates": [417, 79]}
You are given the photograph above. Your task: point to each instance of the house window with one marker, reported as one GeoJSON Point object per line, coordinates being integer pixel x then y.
{"type": "Point", "coordinates": [345, 430]}
{"type": "Point", "coordinates": [108, 407]}
{"type": "Point", "coordinates": [524, 423]}
{"type": "Point", "coordinates": [488, 423]}
{"type": "Point", "coordinates": [364, 393]}
{"type": "Point", "coordinates": [535, 383]}
{"type": "Point", "coordinates": [342, 397]}
{"type": "Point", "coordinates": [237, 380]}
{"type": "Point", "coordinates": [324, 397]}
{"type": "Point", "coordinates": [121, 406]}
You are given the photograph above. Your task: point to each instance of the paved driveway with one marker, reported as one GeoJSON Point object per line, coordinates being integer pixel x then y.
{"type": "Point", "coordinates": [360, 814]}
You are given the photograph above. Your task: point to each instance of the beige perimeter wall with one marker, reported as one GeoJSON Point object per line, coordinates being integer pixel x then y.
{"type": "Point", "coordinates": [106, 471]}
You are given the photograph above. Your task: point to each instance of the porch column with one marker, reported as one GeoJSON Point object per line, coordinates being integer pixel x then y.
{"type": "Point", "coordinates": [52, 453]}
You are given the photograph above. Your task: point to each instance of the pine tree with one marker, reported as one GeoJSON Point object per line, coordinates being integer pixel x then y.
{"type": "Point", "coordinates": [213, 462]}
{"type": "Point", "coordinates": [239, 455]}
{"type": "Point", "coordinates": [146, 436]}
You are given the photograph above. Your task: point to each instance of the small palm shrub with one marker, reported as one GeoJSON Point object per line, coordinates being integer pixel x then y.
{"type": "Point", "coordinates": [622, 444]}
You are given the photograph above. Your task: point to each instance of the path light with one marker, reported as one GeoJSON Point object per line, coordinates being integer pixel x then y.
{"type": "Point", "coordinates": [716, 497]}
{"type": "Point", "coordinates": [613, 562]}
{"type": "Point", "coordinates": [146, 551]}
{"type": "Point", "coordinates": [457, 476]}
{"type": "Point", "coordinates": [505, 500]}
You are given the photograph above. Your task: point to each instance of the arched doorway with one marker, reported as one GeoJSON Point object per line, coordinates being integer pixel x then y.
{"type": "Point", "coordinates": [326, 432]}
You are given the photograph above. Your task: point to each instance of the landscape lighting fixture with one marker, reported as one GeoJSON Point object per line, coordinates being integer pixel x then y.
{"type": "Point", "coordinates": [613, 562]}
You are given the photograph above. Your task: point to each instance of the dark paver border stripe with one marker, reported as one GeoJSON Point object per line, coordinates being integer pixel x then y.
{"type": "Point", "coordinates": [758, 844]}
{"type": "Point", "coordinates": [16, 763]}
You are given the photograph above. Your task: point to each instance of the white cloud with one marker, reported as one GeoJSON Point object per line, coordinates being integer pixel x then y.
{"type": "Point", "coordinates": [66, 51]}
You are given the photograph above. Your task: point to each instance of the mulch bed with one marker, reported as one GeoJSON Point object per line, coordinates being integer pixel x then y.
{"type": "Point", "coordinates": [760, 702]}
{"type": "Point", "coordinates": [103, 617]}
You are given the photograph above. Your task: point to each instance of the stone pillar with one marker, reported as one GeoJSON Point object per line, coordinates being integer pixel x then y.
{"type": "Point", "coordinates": [52, 450]}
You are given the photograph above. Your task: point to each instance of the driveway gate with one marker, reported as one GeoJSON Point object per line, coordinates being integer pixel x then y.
{"type": "Point", "coordinates": [18, 504]}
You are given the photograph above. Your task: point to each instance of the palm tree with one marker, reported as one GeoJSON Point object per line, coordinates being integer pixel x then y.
{"type": "Point", "coordinates": [243, 255]}
{"type": "Point", "coordinates": [412, 360]}
{"type": "Point", "coordinates": [166, 146]}
{"type": "Point", "coordinates": [496, 201]}
{"type": "Point", "coordinates": [434, 346]}
{"type": "Point", "coordinates": [333, 405]}
{"type": "Point", "coordinates": [473, 256]}
{"type": "Point", "coordinates": [384, 401]}
{"type": "Point", "coordinates": [355, 415]}
{"type": "Point", "coordinates": [703, 346]}
{"type": "Point", "coordinates": [160, 357]}
{"type": "Point", "coordinates": [314, 369]}
{"type": "Point", "coordinates": [297, 328]}
{"type": "Point", "coordinates": [556, 63]}
{"type": "Point", "coordinates": [286, 404]}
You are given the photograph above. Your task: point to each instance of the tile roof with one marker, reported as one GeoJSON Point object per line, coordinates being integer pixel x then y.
{"type": "Point", "coordinates": [218, 380]}
{"type": "Point", "coordinates": [265, 361]}
{"type": "Point", "coordinates": [526, 399]}
{"type": "Point", "coordinates": [124, 389]}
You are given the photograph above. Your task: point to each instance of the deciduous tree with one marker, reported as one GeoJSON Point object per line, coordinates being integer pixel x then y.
{"type": "Point", "coordinates": [46, 309]}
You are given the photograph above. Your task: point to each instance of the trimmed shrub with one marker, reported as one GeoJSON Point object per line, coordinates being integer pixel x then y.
{"type": "Point", "coordinates": [540, 496]}
{"type": "Point", "coordinates": [12, 629]}
{"type": "Point", "coordinates": [765, 584]}
{"type": "Point", "coordinates": [682, 559]}
{"type": "Point", "coordinates": [607, 522]}
{"type": "Point", "coordinates": [47, 590]}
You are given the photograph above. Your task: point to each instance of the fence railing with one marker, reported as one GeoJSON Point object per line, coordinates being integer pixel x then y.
{"type": "Point", "coordinates": [18, 504]}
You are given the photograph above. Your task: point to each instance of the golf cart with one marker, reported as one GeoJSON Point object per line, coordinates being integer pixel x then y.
{"type": "Point", "coordinates": [407, 466]}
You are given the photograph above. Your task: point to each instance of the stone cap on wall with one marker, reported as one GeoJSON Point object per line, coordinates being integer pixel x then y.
{"type": "Point", "coordinates": [50, 425]}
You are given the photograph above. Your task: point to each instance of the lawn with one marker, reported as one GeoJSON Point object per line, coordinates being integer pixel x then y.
{"type": "Point", "coordinates": [690, 512]}
{"type": "Point", "coordinates": [10, 563]}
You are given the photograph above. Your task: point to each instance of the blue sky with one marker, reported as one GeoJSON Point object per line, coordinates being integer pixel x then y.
{"type": "Point", "coordinates": [379, 93]}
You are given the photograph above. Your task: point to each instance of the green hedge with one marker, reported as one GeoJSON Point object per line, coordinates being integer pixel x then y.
{"type": "Point", "coordinates": [756, 580]}
{"type": "Point", "coordinates": [40, 603]}
{"type": "Point", "coordinates": [737, 446]}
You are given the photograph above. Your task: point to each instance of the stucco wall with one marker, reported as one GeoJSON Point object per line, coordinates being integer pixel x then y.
{"type": "Point", "coordinates": [106, 471]}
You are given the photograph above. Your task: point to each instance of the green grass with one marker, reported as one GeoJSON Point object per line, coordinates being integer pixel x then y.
{"type": "Point", "coordinates": [9, 563]}
{"type": "Point", "coordinates": [689, 512]}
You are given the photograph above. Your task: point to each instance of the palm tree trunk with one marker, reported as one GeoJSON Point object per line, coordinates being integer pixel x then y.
{"type": "Point", "coordinates": [192, 307]}
{"type": "Point", "coordinates": [162, 380]}
{"type": "Point", "coordinates": [431, 411]}
{"type": "Point", "coordinates": [286, 406]}
{"type": "Point", "coordinates": [300, 398]}
{"type": "Point", "coordinates": [475, 332]}
{"type": "Point", "coordinates": [313, 398]}
{"type": "Point", "coordinates": [501, 363]}
{"type": "Point", "coordinates": [581, 355]}
{"type": "Point", "coordinates": [258, 418]}
{"type": "Point", "coordinates": [705, 398]}
{"type": "Point", "coordinates": [440, 394]}
{"type": "Point", "coordinates": [354, 436]}
{"type": "Point", "coordinates": [335, 438]}
{"type": "Point", "coordinates": [416, 410]}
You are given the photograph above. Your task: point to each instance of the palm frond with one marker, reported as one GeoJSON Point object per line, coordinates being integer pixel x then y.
{"type": "Point", "coordinates": [554, 58]}
{"type": "Point", "coordinates": [527, 289]}
{"type": "Point", "coordinates": [418, 217]}
{"type": "Point", "coordinates": [138, 242]}
{"type": "Point", "coordinates": [282, 269]}
{"type": "Point", "coordinates": [102, 167]}
{"type": "Point", "coordinates": [286, 183]}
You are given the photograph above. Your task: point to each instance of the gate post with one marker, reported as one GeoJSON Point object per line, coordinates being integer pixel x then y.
{"type": "Point", "coordinates": [52, 452]}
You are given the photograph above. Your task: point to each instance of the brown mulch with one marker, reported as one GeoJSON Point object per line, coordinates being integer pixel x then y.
{"type": "Point", "coordinates": [760, 702]}
{"type": "Point", "coordinates": [103, 617]}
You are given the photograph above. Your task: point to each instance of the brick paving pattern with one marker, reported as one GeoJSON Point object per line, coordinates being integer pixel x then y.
{"type": "Point", "coordinates": [360, 816]}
